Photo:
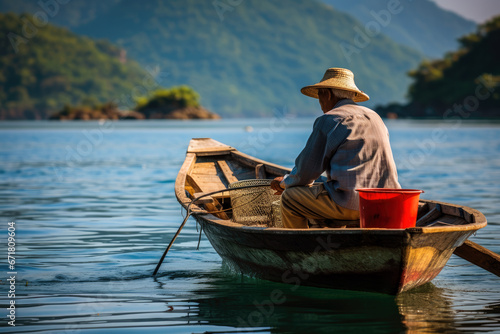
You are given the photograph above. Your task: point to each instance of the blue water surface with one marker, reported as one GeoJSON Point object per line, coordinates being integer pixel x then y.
{"type": "Point", "coordinates": [94, 208]}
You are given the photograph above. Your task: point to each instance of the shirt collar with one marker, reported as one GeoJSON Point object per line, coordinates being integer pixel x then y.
{"type": "Point", "coordinates": [343, 102]}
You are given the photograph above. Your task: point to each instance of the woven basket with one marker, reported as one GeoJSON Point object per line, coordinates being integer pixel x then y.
{"type": "Point", "coordinates": [253, 206]}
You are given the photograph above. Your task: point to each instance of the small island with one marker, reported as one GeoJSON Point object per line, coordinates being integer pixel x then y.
{"type": "Point", "coordinates": [180, 102]}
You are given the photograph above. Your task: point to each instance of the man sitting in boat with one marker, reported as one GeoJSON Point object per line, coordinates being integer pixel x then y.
{"type": "Point", "coordinates": [350, 143]}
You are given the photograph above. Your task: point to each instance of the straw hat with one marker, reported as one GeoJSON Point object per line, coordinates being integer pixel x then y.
{"type": "Point", "coordinates": [337, 78]}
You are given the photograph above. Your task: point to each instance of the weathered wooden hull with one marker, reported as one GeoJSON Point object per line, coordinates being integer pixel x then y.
{"type": "Point", "coordinates": [387, 261]}
{"type": "Point", "coordinates": [377, 260]}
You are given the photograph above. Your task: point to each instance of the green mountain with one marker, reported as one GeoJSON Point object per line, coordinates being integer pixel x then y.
{"type": "Point", "coordinates": [421, 25]}
{"type": "Point", "coordinates": [45, 67]}
{"type": "Point", "coordinates": [464, 84]}
{"type": "Point", "coordinates": [251, 58]}
{"type": "Point", "coordinates": [245, 58]}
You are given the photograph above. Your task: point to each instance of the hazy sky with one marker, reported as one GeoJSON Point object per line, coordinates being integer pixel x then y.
{"type": "Point", "coordinates": [475, 10]}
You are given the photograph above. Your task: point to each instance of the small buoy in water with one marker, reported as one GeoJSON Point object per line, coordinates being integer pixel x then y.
{"type": "Point", "coordinates": [248, 128]}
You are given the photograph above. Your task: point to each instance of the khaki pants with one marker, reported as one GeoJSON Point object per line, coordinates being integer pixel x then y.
{"type": "Point", "coordinates": [301, 203]}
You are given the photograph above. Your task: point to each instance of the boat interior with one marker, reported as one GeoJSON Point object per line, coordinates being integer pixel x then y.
{"type": "Point", "coordinates": [212, 172]}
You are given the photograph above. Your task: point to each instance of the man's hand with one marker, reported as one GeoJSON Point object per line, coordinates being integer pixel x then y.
{"type": "Point", "coordinates": [275, 185]}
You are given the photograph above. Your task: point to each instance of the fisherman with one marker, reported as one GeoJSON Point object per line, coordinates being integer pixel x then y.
{"type": "Point", "coordinates": [350, 143]}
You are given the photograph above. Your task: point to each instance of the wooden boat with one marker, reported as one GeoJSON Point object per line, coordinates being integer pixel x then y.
{"type": "Point", "coordinates": [377, 260]}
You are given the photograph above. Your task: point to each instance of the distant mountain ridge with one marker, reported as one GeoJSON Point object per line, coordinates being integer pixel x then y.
{"type": "Point", "coordinates": [244, 58]}
{"type": "Point", "coordinates": [255, 57]}
{"type": "Point", "coordinates": [421, 25]}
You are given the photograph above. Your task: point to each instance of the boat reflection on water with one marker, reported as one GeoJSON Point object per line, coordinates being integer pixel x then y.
{"type": "Point", "coordinates": [252, 305]}
{"type": "Point", "coordinates": [430, 309]}
{"type": "Point", "coordinates": [257, 305]}
{"type": "Point", "coordinates": [226, 302]}
{"type": "Point", "coordinates": [426, 310]}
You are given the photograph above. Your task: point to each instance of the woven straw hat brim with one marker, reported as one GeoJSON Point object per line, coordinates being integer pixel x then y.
{"type": "Point", "coordinates": [336, 78]}
{"type": "Point", "coordinates": [312, 91]}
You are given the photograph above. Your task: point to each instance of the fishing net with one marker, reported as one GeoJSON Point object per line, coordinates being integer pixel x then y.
{"type": "Point", "coordinates": [276, 208]}
{"type": "Point", "coordinates": [254, 206]}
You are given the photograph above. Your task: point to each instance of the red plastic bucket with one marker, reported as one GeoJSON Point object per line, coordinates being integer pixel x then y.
{"type": "Point", "coordinates": [388, 208]}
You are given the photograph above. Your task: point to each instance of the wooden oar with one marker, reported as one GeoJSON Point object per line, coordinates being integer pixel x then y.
{"type": "Point", "coordinates": [470, 251]}
{"type": "Point", "coordinates": [171, 243]}
{"type": "Point", "coordinates": [480, 256]}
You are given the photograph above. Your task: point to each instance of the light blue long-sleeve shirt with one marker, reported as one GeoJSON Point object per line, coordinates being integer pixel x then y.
{"type": "Point", "coordinates": [351, 144]}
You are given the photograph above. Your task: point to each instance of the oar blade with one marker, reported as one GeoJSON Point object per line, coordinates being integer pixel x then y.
{"type": "Point", "coordinates": [480, 256]}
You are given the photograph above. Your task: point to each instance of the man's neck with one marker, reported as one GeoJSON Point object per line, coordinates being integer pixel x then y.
{"type": "Point", "coordinates": [343, 102]}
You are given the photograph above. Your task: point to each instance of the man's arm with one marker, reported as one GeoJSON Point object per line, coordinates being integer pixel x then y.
{"type": "Point", "coordinates": [326, 137]}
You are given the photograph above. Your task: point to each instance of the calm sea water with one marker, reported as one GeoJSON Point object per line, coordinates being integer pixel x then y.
{"type": "Point", "coordinates": [94, 208]}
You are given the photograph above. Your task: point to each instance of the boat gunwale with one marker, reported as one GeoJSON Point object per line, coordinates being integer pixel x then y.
{"type": "Point", "coordinates": [211, 219]}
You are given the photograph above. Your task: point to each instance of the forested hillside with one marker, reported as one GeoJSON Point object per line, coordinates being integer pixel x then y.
{"type": "Point", "coordinates": [49, 67]}
{"type": "Point", "coordinates": [247, 58]}
{"type": "Point", "coordinates": [464, 84]}
{"type": "Point", "coordinates": [251, 58]}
